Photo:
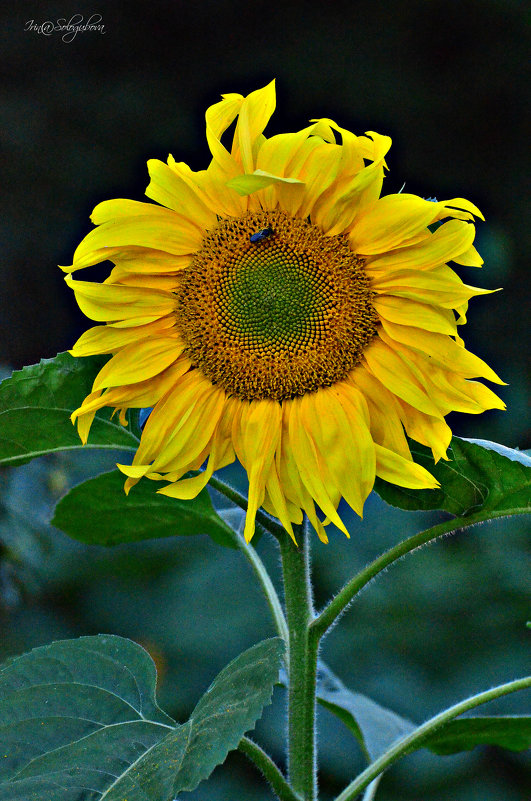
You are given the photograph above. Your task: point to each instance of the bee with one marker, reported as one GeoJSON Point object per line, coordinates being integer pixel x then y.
{"type": "Point", "coordinates": [259, 236]}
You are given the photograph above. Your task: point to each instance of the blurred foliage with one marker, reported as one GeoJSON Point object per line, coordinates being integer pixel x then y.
{"type": "Point", "coordinates": [447, 621]}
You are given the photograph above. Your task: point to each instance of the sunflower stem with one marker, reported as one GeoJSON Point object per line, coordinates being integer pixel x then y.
{"type": "Point", "coordinates": [269, 770]}
{"type": "Point", "coordinates": [267, 585]}
{"type": "Point", "coordinates": [335, 608]}
{"type": "Point", "coordinates": [252, 557]}
{"type": "Point", "coordinates": [302, 665]}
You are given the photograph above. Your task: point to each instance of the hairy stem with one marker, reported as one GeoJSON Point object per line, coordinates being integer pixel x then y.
{"type": "Point", "coordinates": [267, 586]}
{"type": "Point", "coordinates": [267, 767]}
{"type": "Point", "coordinates": [302, 666]}
{"type": "Point", "coordinates": [252, 557]}
{"type": "Point", "coordinates": [337, 605]}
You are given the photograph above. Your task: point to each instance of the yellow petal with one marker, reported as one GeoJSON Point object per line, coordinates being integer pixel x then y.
{"type": "Point", "coordinates": [439, 286]}
{"type": "Point", "coordinates": [278, 501]}
{"type": "Point", "coordinates": [112, 210]}
{"type": "Point", "coordinates": [454, 393]}
{"type": "Point", "coordinates": [420, 315]}
{"type": "Point", "coordinates": [318, 172]}
{"type": "Point", "coordinates": [351, 152]}
{"type": "Point", "coordinates": [166, 282]}
{"type": "Point", "coordinates": [254, 114]}
{"type": "Point", "coordinates": [181, 424]}
{"type": "Point", "coordinates": [110, 302]}
{"type": "Point", "coordinates": [470, 258]}
{"type": "Point", "coordinates": [289, 476]}
{"type": "Point", "coordinates": [390, 221]}
{"type": "Point", "coordinates": [309, 466]}
{"type": "Point", "coordinates": [218, 118]}
{"type": "Point", "coordinates": [393, 468]}
{"type": "Point", "coordinates": [454, 206]}
{"type": "Point", "coordinates": [395, 218]}
{"type": "Point", "coordinates": [188, 488]}
{"type": "Point", "coordinates": [461, 311]}
{"type": "Point", "coordinates": [449, 391]}
{"type": "Point", "coordinates": [294, 515]}
{"type": "Point", "coordinates": [392, 370]}
{"type": "Point", "coordinates": [106, 338]}
{"type": "Point", "coordinates": [221, 454]}
{"type": "Point", "coordinates": [447, 243]}
{"type": "Point", "coordinates": [256, 435]}
{"type": "Point", "coordinates": [168, 188]}
{"type": "Point", "coordinates": [430, 431]}
{"type": "Point", "coordinates": [279, 155]}
{"type": "Point", "coordinates": [209, 185]}
{"type": "Point", "coordinates": [162, 230]}
{"type": "Point", "coordinates": [247, 184]}
{"type": "Point", "coordinates": [134, 471]}
{"type": "Point", "coordinates": [443, 350]}
{"type": "Point", "coordinates": [147, 261]}
{"type": "Point", "coordinates": [86, 418]}
{"type": "Point", "coordinates": [284, 155]}
{"type": "Point", "coordinates": [344, 440]}
{"type": "Point", "coordinates": [385, 425]}
{"type": "Point", "coordinates": [136, 396]}
{"type": "Point", "coordinates": [134, 259]}
{"type": "Point", "coordinates": [356, 186]}
{"type": "Point", "coordinates": [119, 215]}
{"type": "Point", "coordinates": [139, 361]}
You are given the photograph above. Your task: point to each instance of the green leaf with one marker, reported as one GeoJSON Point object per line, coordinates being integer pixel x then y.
{"type": "Point", "coordinates": [480, 476]}
{"type": "Point", "coordinates": [100, 513]}
{"type": "Point", "coordinates": [422, 734]}
{"type": "Point", "coordinates": [152, 776]}
{"type": "Point", "coordinates": [513, 733]}
{"type": "Point", "coordinates": [35, 407]}
{"type": "Point", "coordinates": [374, 726]}
{"type": "Point", "coordinates": [230, 707]}
{"type": "Point", "coordinates": [75, 715]}
{"type": "Point", "coordinates": [80, 722]}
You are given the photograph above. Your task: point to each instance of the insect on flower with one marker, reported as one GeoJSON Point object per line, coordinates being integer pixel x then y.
{"type": "Point", "coordinates": [259, 236]}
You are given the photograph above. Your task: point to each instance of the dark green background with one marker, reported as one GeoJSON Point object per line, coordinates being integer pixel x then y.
{"type": "Point", "coordinates": [449, 82]}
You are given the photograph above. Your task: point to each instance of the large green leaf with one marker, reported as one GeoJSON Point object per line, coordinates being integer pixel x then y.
{"type": "Point", "coordinates": [35, 407]}
{"type": "Point", "coordinates": [479, 476]}
{"type": "Point", "coordinates": [100, 513]}
{"type": "Point", "coordinates": [80, 722]}
{"type": "Point", "coordinates": [513, 733]}
{"type": "Point", "coordinates": [230, 707]}
{"type": "Point", "coordinates": [75, 714]}
{"type": "Point", "coordinates": [374, 726]}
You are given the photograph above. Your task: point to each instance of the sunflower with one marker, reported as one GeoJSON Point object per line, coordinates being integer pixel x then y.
{"type": "Point", "coordinates": [275, 309]}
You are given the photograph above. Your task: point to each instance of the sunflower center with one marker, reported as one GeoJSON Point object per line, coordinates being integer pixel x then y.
{"type": "Point", "coordinates": [271, 308]}
{"type": "Point", "coordinates": [269, 296]}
